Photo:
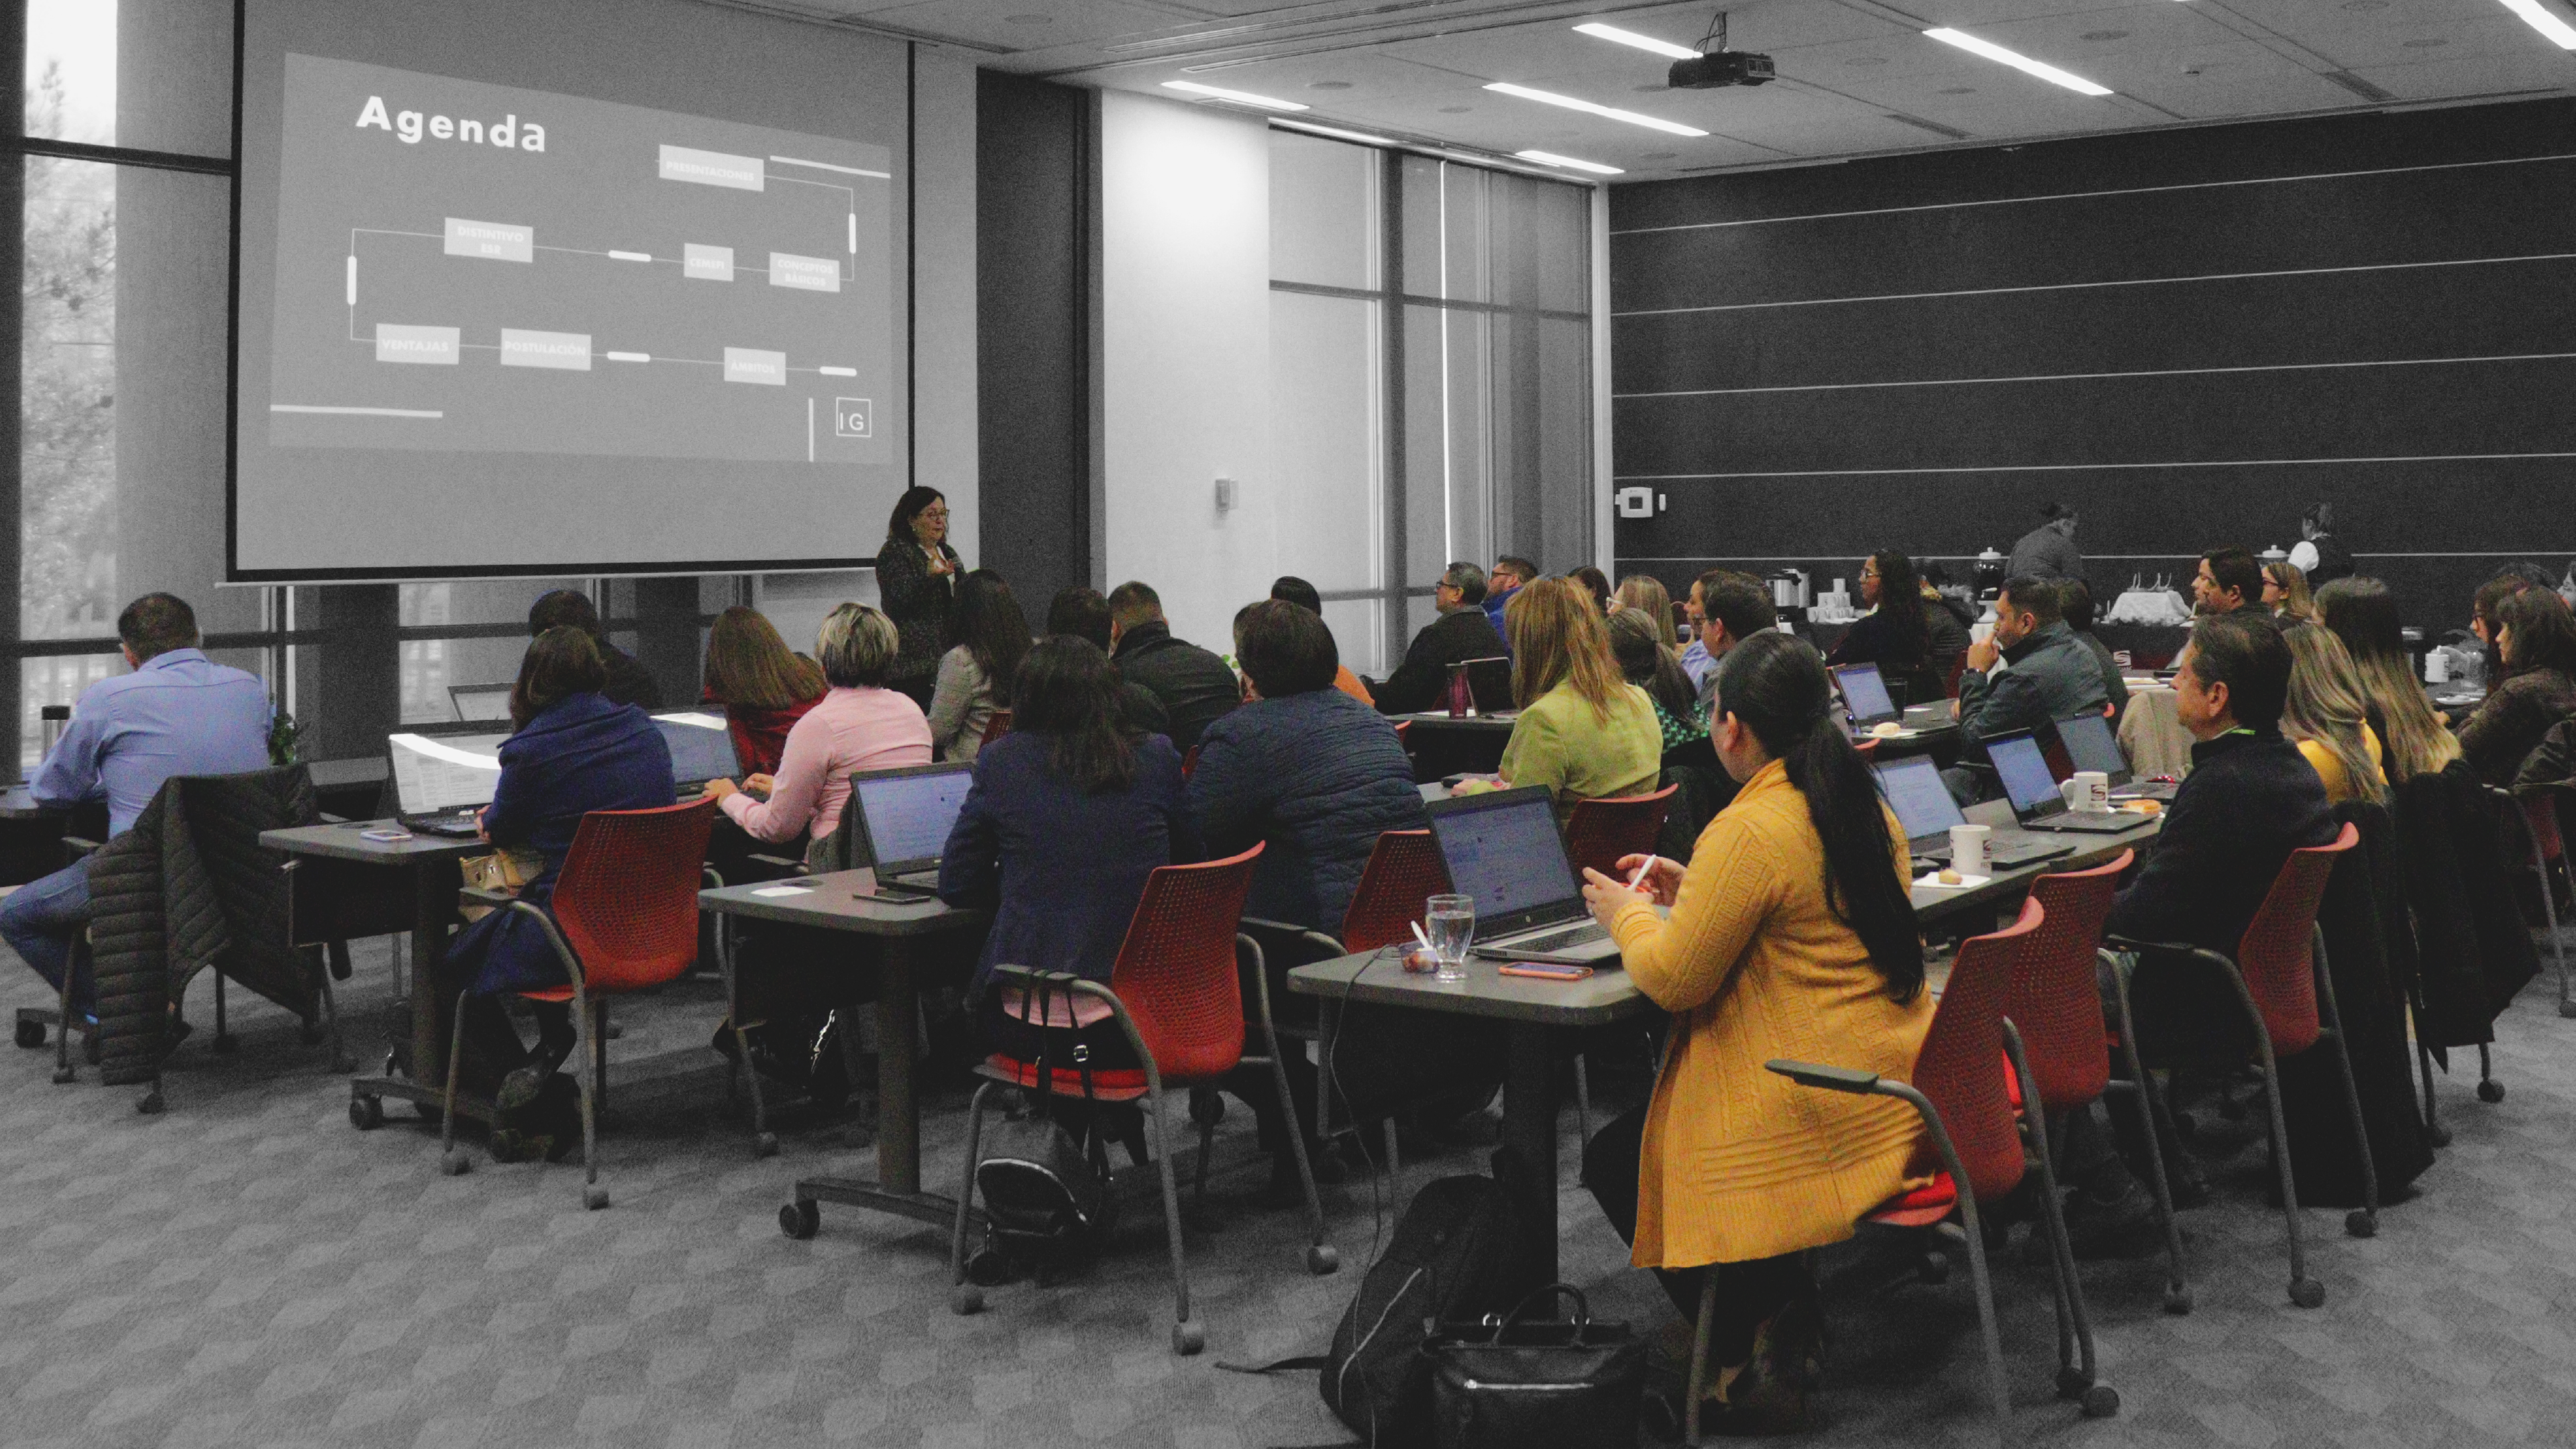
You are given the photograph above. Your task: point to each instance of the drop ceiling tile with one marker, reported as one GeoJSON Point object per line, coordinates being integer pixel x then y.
{"type": "Point", "coordinates": [2494, 32]}
{"type": "Point", "coordinates": [2472, 75]}
{"type": "Point", "coordinates": [1073, 22]}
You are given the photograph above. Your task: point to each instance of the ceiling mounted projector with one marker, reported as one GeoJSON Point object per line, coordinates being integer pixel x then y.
{"type": "Point", "coordinates": [1717, 66]}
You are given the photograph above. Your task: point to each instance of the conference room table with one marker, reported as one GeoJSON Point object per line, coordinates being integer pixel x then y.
{"type": "Point", "coordinates": [846, 902]}
{"type": "Point", "coordinates": [1536, 1013]}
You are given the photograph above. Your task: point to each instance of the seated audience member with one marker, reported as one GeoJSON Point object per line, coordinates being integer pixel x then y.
{"type": "Point", "coordinates": [1290, 589]}
{"type": "Point", "coordinates": [1895, 634]}
{"type": "Point", "coordinates": [2285, 594]}
{"type": "Point", "coordinates": [178, 713]}
{"type": "Point", "coordinates": [2483, 609]}
{"type": "Point", "coordinates": [628, 681]}
{"type": "Point", "coordinates": [2051, 676]}
{"type": "Point", "coordinates": [1067, 816]}
{"type": "Point", "coordinates": [861, 724]}
{"type": "Point", "coordinates": [2075, 604]}
{"type": "Point", "coordinates": [975, 676]}
{"type": "Point", "coordinates": [1791, 935]}
{"type": "Point", "coordinates": [2251, 798]}
{"type": "Point", "coordinates": [2361, 613]}
{"type": "Point", "coordinates": [1461, 633]}
{"type": "Point", "coordinates": [571, 750]}
{"type": "Point", "coordinates": [2537, 640]}
{"type": "Point", "coordinates": [1083, 613]}
{"type": "Point", "coordinates": [1725, 609]}
{"type": "Point", "coordinates": [1645, 592]}
{"type": "Point", "coordinates": [1651, 666]}
{"type": "Point", "coordinates": [2317, 554]}
{"type": "Point", "coordinates": [1583, 732]}
{"type": "Point", "coordinates": [764, 688]}
{"type": "Point", "coordinates": [2048, 551]}
{"type": "Point", "coordinates": [2326, 718]}
{"type": "Point", "coordinates": [1595, 583]}
{"type": "Point", "coordinates": [1946, 623]}
{"type": "Point", "coordinates": [1193, 685]}
{"type": "Point", "coordinates": [2229, 579]}
{"type": "Point", "coordinates": [1507, 577]}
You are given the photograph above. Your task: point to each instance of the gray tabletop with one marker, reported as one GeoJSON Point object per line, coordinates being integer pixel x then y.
{"type": "Point", "coordinates": [1604, 996]}
{"type": "Point", "coordinates": [840, 901]}
{"type": "Point", "coordinates": [349, 842]}
{"type": "Point", "coordinates": [1442, 720]}
{"type": "Point", "coordinates": [19, 803]}
{"type": "Point", "coordinates": [1935, 903]}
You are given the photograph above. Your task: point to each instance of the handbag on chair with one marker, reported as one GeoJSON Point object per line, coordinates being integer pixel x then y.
{"type": "Point", "coordinates": [1513, 1383]}
{"type": "Point", "coordinates": [1042, 1189]}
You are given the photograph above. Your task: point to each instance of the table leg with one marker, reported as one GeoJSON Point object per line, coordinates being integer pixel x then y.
{"type": "Point", "coordinates": [434, 888]}
{"type": "Point", "coordinates": [897, 1189]}
{"type": "Point", "coordinates": [1529, 1130]}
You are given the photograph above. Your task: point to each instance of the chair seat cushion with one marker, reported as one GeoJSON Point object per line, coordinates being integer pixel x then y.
{"type": "Point", "coordinates": [1921, 1208]}
{"type": "Point", "coordinates": [546, 993]}
{"type": "Point", "coordinates": [1110, 1084]}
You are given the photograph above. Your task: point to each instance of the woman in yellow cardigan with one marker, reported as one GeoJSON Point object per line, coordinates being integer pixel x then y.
{"type": "Point", "coordinates": [1791, 935]}
{"type": "Point", "coordinates": [1584, 732]}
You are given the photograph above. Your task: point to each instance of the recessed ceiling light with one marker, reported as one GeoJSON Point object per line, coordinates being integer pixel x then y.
{"type": "Point", "coordinates": [2017, 61]}
{"type": "Point", "coordinates": [1550, 158]}
{"type": "Point", "coordinates": [1247, 98]}
{"type": "Point", "coordinates": [2106, 35]}
{"type": "Point", "coordinates": [2430, 44]}
{"type": "Point", "coordinates": [1328, 85]}
{"type": "Point", "coordinates": [1613, 113]}
{"type": "Point", "coordinates": [2548, 24]}
{"type": "Point", "coordinates": [1664, 48]}
{"type": "Point", "coordinates": [1336, 132]}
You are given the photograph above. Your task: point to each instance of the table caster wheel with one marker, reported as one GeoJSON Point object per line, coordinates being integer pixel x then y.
{"type": "Point", "coordinates": [2438, 1135]}
{"type": "Point", "coordinates": [454, 1163]}
{"type": "Point", "coordinates": [2073, 1383]}
{"type": "Point", "coordinates": [765, 1145]}
{"type": "Point", "coordinates": [1321, 1259]}
{"type": "Point", "coordinates": [2101, 1401]}
{"type": "Point", "coordinates": [2178, 1299]}
{"type": "Point", "coordinates": [64, 1075]}
{"type": "Point", "coordinates": [2361, 1223]}
{"type": "Point", "coordinates": [31, 1034]}
{"type": "Point", "coordinates": [2307, 1292]}
{"type": "Point", "coordinates": [800, 1219]}
{"type": "Point", "coordinates": [2565, 1008]}
{"type": "Point", "coordinates": [966, 1300]}
{"type": "Point", "coordinates": [2491, 1091]}
{"type": "Point", "coordinates": [594, 1197]}
{"type": "Point", "coordinates": [1188, 1339]}
{"type": "Point", "coordinates": [366, 1113]}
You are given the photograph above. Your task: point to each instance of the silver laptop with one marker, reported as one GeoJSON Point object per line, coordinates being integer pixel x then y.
{"type": "Point", "coordinates": [480, 701]}
{"type": "Point", "coordinates": [1925, 811]}
{"type": "Point", "coordinates": [903, 817]}
{"type": "Point", "coordinates": [1504, 853]}
{"type": "Point", "coordinates": [701, 747]}
{"type": "Point", "coordinates": [442, 783]}
{"type": "Point", "coordinates": [2032, 789]}
{"type": "Point", "coordinates": [2090, 745]}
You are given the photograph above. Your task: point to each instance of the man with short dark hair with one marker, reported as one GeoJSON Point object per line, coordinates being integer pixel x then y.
{"type": "Point", "coordinates": [1193, 685]}
{"type": "Point", "coordinates": [2229, 579]}
{"type": "Point", "coordinates": [2044, 674]}
{"type": "Point", "coordinates": [1290, 589]}
{"type": "Point", "coordinates": [1081, 612]}
{"type": "Point", "coordinates": [1462, 632]}
{"type": "Point", "coordinates": [178, 713]}
{"type": "Point", "coordinates": [1503, 580]}
{"type": "Point", "coordinates": [1725, 608]}
{"type": "Point", "coordinates": [629, 682]}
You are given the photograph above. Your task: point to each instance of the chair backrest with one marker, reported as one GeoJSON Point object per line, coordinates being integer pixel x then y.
{"type": "Point", "coordinates": [627, 900]}
{"type": "Point", "coordinates": [1404, 870]}
{"type": "Point", "coordinates": [1960, 1070]}
{"type": "Point", "coordinates": [2061, 766]}
{"type": "Point", "coordinates": [1600, 832]}
{"type": "Point", "coordinates": [996, 726]}
{"type": "Point", "coordinates": [1176, 971]}
{"type": "Point", "coordinates": [2278, 952]}
{"type": "Point", "coordinates": [2054, 998]}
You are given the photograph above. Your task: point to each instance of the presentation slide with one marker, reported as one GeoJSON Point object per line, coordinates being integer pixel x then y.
{"type": "Point", "coordinates": [490, 327]}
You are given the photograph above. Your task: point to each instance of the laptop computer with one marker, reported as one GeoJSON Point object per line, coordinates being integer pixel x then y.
{"type": "Point", "coordinates": [701, 748]}
{"type": "Point", "coordinates": [2032, 789]}
{"type": "Point", "coordinates": [480, 702]}
{"type": "Point", "coordinates": [2090, 745]}
{"type": "Point", "coordinates": [1504, 852]}
{"type": "Point", "coordinates": [1925, 811]}
{"type": "Point", "coordinates": [441, 785]}
{"type": "Point", "coordinates": [1865, 696]}
{"type": "Point", "coordinates": [903, 817]}
{"type": "Point", "coordinates": [1489, 683]}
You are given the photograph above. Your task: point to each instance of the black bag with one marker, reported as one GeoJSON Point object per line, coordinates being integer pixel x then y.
{"type": "Point", "coordinates": [1041, 1188]}
{"type": "Point", "coordinates": [1512, 1384]}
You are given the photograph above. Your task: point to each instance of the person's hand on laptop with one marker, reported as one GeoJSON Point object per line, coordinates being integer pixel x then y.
{"type": "Point", "coordinates": [718, 789]}
{"type": "Point", "coordinates": [760, 786]}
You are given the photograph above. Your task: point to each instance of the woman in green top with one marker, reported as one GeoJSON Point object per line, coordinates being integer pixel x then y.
{"type": "Point", "coordinates": [1584, 732]}
{"type": "Point", "coordinates": [1653, 667]}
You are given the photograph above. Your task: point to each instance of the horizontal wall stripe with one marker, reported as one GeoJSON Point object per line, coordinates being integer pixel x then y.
{"type": "Point", "coordinates": [2092, 195]}
{"type": "Point", "coordinates": [2090, 558]}
{"type": "Point", "coordinates": [2093, 376]}
{"type": "Point", "coordinates": [2091, 467]}
{"type": "Point", "coordinates": [2116, 282]}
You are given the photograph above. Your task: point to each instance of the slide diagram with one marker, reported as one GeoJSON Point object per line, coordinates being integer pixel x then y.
{"type": "Point", "coordinates": [474, 268]}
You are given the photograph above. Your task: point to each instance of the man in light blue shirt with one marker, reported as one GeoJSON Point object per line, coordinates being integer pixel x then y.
{"type": "Point", "coordinates": [178, 713]}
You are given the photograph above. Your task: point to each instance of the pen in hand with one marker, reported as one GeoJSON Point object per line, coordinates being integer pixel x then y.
{"type": "Point", "coordinates": [1643, 866]}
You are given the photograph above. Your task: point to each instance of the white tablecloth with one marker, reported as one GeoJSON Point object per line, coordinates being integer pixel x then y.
{"type": "Point", "coordinates": [2152, 736]}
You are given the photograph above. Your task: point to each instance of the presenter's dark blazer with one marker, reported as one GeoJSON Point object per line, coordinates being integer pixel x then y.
{"type": "Point", "coordinates": [918, 604]}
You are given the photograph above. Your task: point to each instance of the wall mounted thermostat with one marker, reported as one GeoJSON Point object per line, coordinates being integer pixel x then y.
{"type": "Point", "coordinates": [1636, 502]}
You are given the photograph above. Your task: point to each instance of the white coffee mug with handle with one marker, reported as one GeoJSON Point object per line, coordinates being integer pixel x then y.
{"type": "Point", "coordinates": [2092, 791]}
{"type": "Point", "coordinates": [1968, 848]}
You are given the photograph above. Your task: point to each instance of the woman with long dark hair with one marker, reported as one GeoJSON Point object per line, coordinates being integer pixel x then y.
{"type": "Point", "coordinates": [2363, 614]}
{"type": "Point", "coordinates": [2536, 638]}
{"type": "Point", "coordinates": [917, 587]}
{"type": "Point", "coordinates": [764, 687]}
{"type": "Point", "coordinates": [1896, 634]}
{"type": "Point", "coordinates": [1791, 935]}
{"type": "Point", "coordinates": [1653, 667]}
{"type": "Point", "coordinates": [975, 677]}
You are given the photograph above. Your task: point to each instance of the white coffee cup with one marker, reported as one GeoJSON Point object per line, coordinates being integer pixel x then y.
{"type": "Point", "coordinates": [2093, 790]}
{"type": "Point", "coordinates": [1968, 848]}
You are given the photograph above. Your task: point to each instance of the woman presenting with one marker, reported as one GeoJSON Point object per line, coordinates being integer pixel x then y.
{"type": "Point", "coordinates": [917, 586]}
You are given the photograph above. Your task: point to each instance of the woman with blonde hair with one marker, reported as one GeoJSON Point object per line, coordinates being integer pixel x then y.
{"type": "Point", "coordinates": [2326, 718]}
{"type": "Point", "coordinates": [1584, 731]}
{"type": "Point", "coordinates": [2285, 593]}
{"type": "Point", "coordinates": [2361, 613]}
{"type": "Point", "coordinates": [764, 688]}
{"type": "Point", "coordinates": [1645, 591]}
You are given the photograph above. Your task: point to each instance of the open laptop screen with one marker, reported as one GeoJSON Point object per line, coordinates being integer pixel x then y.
{"type": "Point", "coordinates": [1865, 694]}
{"type": "Point", "coordinates": [1504, 852]}
{"type": "Point", "coordinates": [2090, 745]}
{"type": "Point", "coordinates": [1922, 803]}
{"type": "Point", "coordinates": [701, 746]}
{"type": "Point", "coordinates": [2025, 774]}
{"type": "Point", "coordinates": [446, 773]}
{"type": "Point", "coordinates": [908, 813]}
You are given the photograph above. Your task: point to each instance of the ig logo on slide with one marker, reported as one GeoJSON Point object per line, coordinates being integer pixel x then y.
{"type": "Point", "coordinates": [850, 417]}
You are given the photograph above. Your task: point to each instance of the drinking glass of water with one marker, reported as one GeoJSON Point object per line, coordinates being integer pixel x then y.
{"type": "Point", "coordinates": [1450, 922]}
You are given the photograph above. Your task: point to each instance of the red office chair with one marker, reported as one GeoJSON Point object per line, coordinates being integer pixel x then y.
{"type": "Point", "coordinates": [1969, 1116]}
{"type": "Point", "coordinates": [2056, 1003]}
{"type": "Point", "coordinates": [1602, 832]}
{"type": "Point", "coordinates": [1404, 870]}
{"type": "Point", "coordinates": [623, 917]}
{"type": "Point", "coordinates": [2539, 807]}
{"type": "Point", "coordinates": [2281, 980]}
{"type": "Point", "coordinates": [1175, 994]}
{"type": "Point", "coordinates": [996, 726]}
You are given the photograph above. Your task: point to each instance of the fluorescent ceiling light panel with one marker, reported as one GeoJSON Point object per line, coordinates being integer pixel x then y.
{"type": "Point", "coordinates": [1550, 158]}
{"type": "Point", "coordinates": [1612, 112]}
{"type": "Point", "coordinates": [2537, 16]}
{"type": "Point", "coordinates": [1337, 133]}
{"type": "Point", "coordinates": [1664, 48]}
{"type": "Point", "coordinates": [2049, 73]}
{"type": "Point", "coordinates": [1239, 97]}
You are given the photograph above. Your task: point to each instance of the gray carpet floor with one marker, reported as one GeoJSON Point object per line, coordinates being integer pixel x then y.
{"type": "Point", "coordinates": [248, 1269]}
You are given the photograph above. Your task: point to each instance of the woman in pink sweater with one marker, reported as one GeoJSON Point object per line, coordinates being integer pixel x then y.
{"type": "Point", "coordinates": [859, 725]}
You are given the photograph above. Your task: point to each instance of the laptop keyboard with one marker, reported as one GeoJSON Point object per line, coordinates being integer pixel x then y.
{"type": "Point", "coordinates": [453, 822]}
{"type": "Point", "coordinates": [1582, 935]}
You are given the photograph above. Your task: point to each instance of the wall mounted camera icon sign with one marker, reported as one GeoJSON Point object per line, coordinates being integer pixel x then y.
{"type": "Point", "coordinates": [850, 418]}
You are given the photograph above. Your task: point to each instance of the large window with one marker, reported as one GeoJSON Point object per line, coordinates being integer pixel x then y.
{"type": "Point", "coordinates": [1430, 334]}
